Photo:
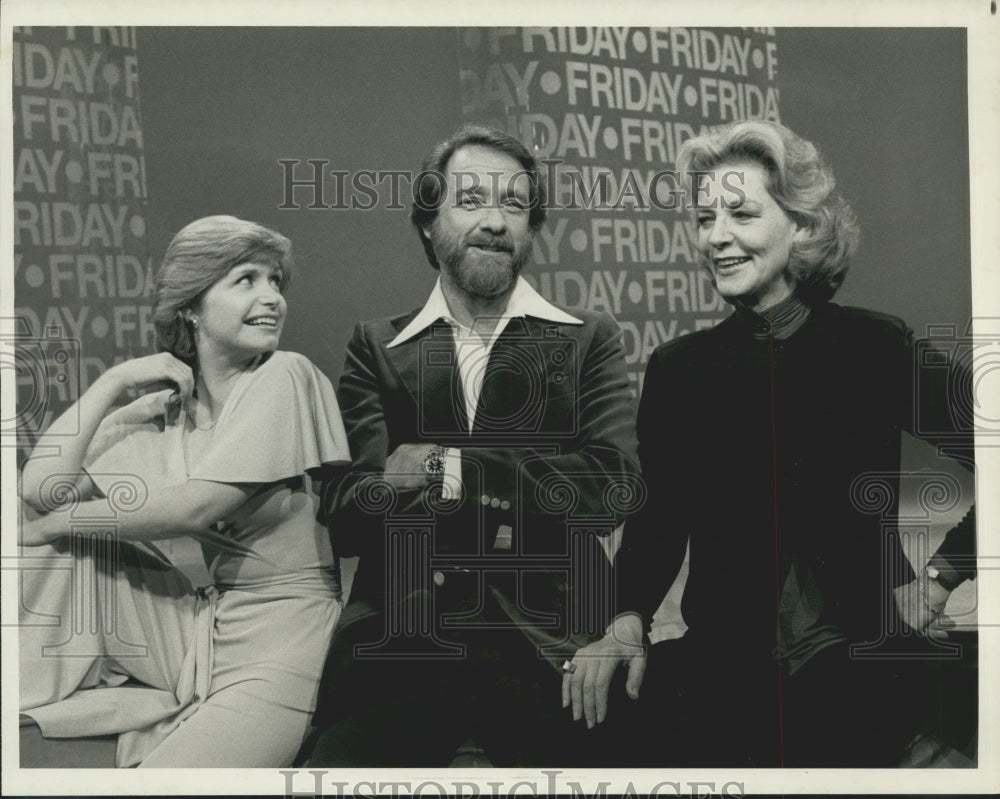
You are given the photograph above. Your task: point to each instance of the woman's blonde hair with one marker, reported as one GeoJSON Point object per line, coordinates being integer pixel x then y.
{"type": "Point", "coordinates": [801, 183]}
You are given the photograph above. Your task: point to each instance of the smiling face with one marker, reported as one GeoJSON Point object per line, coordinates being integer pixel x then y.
{"type": "Point", "coordinates": [240, 317]}
{"type": "Point", "coordinates": [746, 242]}
{"type": "Point", "coordinates": [480, 235]}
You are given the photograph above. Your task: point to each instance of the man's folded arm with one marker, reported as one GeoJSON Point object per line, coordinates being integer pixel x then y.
{"type": "Point", "coordinates": [598, 464]}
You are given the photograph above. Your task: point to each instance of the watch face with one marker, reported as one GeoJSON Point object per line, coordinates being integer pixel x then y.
{"type": "Point", "coordinates": [434, 462]}
{"type": "Point", "coordinates": [932, 573]}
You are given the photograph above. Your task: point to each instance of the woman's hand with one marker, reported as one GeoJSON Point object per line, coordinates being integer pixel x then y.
{"type": "Point", "coordinates": [63, 447]}
{"type": "Point", "coordinates": [150, 370]}
{"type": "Point", "coordinates": [922, 607]}
{"type": "Point", "coordinates": [40, 529]}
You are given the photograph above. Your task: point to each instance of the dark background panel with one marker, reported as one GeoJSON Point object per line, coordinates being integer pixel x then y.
{"type": "Point", "coordinates": [888, 109]}
{"type": "Point", "coordinates": [222, 106]}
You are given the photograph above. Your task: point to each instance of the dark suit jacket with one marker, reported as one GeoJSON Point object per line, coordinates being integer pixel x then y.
{"type": "Point", "coordinates": [550, 465]}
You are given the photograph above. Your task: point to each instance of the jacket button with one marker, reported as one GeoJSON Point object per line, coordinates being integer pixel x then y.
{"type": "Point", "coordinates": [494, 503]}
{"type": "Point", "coordinates": [505, 505]}
{"type": "Point", "coordinates": [438, 578]}
{"type": "Point", "coordinates": [484, 499]}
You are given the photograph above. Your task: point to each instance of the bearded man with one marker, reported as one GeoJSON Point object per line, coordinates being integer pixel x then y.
{"type": "Point", "coordinates": [491, 433]}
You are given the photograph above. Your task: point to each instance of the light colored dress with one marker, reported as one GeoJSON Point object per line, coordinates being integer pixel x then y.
{"type": "Point", "coordinates": [114, 639]}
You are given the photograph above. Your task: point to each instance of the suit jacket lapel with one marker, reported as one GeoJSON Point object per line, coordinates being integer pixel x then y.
{"type": "Point", "coordinates": [427, 367]}
{"type": "Point", "coordinates": [516, 379]}
{"type": "Point", "coordinates": [525, 366]}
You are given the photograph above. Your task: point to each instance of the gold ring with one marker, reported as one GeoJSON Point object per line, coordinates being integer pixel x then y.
{"type": "Point", "coordinates": [568, 667]}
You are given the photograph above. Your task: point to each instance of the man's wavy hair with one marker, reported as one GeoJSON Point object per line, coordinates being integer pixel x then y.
{"type": "Point", "coordinates": [801, 183]}
{"type": "Point", "coordinates": [427, 188]}
{"type": "Point", "coordinates": [200, 255]}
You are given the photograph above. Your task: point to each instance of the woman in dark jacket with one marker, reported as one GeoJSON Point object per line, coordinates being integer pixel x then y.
{"type": "Point", "coordinates": [770, 448]}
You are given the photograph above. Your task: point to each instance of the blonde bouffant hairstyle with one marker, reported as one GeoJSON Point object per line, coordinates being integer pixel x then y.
{"type": "Point", "coordinates": [801, 183]}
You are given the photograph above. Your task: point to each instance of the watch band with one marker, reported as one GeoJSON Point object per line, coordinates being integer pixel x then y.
{"type": "Point", "coordinates": [932, 572]}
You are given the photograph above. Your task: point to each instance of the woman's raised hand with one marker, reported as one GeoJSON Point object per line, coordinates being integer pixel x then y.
{"type": "Point", "coordinates": [63, 447]}
{"type": "Point", "coordinates": [150, 370]}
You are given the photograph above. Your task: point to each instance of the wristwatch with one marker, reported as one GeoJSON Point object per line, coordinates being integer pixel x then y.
{"type": "Point", "coordinates": [933, 573]}
{"type": "Point", "coordinates": [434, 463]}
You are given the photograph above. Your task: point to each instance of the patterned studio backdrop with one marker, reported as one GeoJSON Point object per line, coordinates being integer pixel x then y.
{"type": "Point", "coordinates": [607, 109]}
{"type": "Point", "coordinates": [83, 278]}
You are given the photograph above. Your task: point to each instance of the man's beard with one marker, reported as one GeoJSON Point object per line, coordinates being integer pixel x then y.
{"type": "Point", "coordinates": [478, 273]}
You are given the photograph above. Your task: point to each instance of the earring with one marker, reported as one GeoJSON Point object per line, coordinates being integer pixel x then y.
{"type": "Point", "coordinates": [194, 322]}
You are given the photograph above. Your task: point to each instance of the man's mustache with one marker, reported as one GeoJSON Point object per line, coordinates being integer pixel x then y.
{"type": "Point", "coordinates": [501, 243]}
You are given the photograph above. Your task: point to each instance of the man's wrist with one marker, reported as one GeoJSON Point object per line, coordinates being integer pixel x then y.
{"type": "Point", "coordinates": [626, 627]}
{"type": "Point", "coordinates": [452, 488]}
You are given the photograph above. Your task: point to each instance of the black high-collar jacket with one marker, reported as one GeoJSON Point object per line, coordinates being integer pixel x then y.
{"type": "Point", "coordinates": [764, 452]}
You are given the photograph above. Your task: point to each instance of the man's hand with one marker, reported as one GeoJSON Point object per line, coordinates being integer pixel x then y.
{"type": "Point", "coordinates": [404, 468]}
{"type": "Point", "coordinates": [586, 688]}
{"type": "Point", "coordinates": [923, 609]}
